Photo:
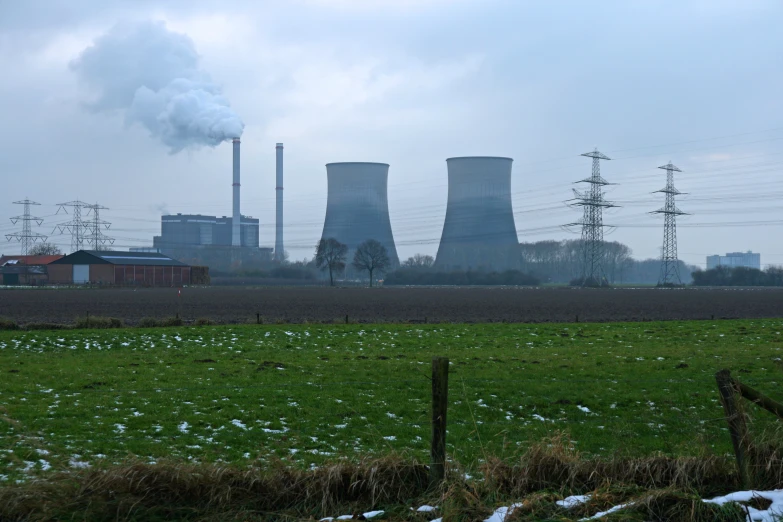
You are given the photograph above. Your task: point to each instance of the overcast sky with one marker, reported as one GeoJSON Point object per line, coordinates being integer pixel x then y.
{"type": "Point", "coordinates": [410, 83]}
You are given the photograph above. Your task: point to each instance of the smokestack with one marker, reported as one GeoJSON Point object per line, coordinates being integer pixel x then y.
{"type": "Point", "coordinates": [235, 223]}
{"type": "Point", "coordinates": [279, 252]}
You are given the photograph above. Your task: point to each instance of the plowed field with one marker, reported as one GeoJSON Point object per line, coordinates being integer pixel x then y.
{"type": "Point", "coordinates": [379, 305]}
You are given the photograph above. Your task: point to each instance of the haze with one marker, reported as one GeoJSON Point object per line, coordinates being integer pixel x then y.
{"type": "Point", "coordinates": [411, 83]}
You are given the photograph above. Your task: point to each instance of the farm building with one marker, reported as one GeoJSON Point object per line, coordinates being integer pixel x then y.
{"type": "Point", "coordinates": [25, 270]}
{"type": "Point", "coordinates": [119, 268]}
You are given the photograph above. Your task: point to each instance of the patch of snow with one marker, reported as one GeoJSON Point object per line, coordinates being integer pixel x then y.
{"type": "Point", "coordinates": [239, 424]}
{"type": "Point", "coordinates": [183, 427]}
{"type": "Point", "coordinates": [120, 428]}
{"type": "Point", "coordinates": [78, 463]}
{"type": "Point", "coordinates": [773, 513]}
{"type": "Point", "coordinates": [501, 513]}
{"type": "Point", "coordinates": [602, 514]}
{"type": "Point", "coordinates": [583, 408]}
{"type": "Point", "coordinates": [426, 509]}
{"type": "Point", "coordinates": [573, 501]}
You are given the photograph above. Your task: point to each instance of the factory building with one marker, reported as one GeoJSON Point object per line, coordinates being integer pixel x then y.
{"type": "Point", "coordinates": [119, 268]}
{"type": "Point", "coordinates": [357, 206]}
{"type": "Point", "coordinates": [734, 259]}
{"type": "Point", "coordinates": [193, 230]}
{"type": "Point", "coordinates": [479, 231]}
{"type": "Point", "coordinates": [26, 270]}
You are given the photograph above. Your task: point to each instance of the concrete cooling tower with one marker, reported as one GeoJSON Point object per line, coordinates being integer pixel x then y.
{"type": "Point", "coordinates": [479, 232]}
{"type": "Point", "coordinates": [357, 207]}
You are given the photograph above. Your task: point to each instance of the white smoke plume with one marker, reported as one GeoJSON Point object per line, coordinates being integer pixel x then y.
{"type": "Point", "coordinates": [153, 76]}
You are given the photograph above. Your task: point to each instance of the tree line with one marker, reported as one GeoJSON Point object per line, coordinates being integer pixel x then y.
{"type": "Point", "coordinates": [739, 276]}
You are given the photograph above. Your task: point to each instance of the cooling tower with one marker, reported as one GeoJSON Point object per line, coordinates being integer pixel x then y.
{"type": "Point", "coordinates": [479, 231]}
{"type": "Point", "coordinates": [279, 252]}
{"type": "Point", "coordinates": [236, 236]}
{"type": "Point", "coordinates": [357, 207]}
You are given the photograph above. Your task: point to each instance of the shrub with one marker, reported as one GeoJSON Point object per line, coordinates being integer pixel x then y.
{"type": "Point", "coordinates": [98, 322]}
{"type": "Point", "coordinates": [8, 324]}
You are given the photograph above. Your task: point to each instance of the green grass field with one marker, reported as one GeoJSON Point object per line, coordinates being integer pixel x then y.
{"type": "Point", "coordinates": [309, 393]}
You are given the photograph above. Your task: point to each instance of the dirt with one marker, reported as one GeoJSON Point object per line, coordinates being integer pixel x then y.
{"type": "Point", "coordinates": [414, 305]}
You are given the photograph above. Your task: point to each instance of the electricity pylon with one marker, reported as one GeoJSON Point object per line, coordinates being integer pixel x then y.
{"type": "Point", "coordinates": [26, 237]}
{"type": "Point", "coordinates": [670, 265]}
{"type": "Point", "coordinates": [593, 202]}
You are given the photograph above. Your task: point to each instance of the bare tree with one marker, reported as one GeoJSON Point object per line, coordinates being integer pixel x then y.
{"type": "Point", "coordinates": [419, 261]}
{"type": "Point", "coordinates": [45, 249]}
{"type": "Point", "coordinates": [371, 256]}
{"type": "Point", "coordinates": [330, 255]}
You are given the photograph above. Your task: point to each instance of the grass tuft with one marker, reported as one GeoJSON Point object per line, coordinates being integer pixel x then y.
{"type": "Point", "coordinates": [98, 322]}
{"type": "Point", "coordinates": [172, 490]}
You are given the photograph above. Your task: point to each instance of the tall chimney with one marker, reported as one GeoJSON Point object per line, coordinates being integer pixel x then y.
{"type": "Point", "coordinates": [235, 222]}
{"type": "Point", "coordinates": [279, 252]}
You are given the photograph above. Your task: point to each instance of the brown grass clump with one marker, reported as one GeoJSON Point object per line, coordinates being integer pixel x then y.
{"type": "Point", "coordinates": [174, 491]}
{"type": "Point", "coordinates": [556, 464]}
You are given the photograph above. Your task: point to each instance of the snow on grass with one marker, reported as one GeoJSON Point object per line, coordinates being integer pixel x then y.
{"type": "Point", "coordinates": [773, 513]}
{"type": "Point", "coordinates": [602, 514]}
{"type": "Point", "coordinates": [573, 501]}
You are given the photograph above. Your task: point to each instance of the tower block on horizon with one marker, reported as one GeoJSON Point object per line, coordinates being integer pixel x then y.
{"type": "Point", "coordinates": [592, 201]}
{"type": "Point", "coordinates": [670, 265]}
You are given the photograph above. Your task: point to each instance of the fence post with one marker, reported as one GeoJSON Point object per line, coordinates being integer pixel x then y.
{"type": "Point", "coordinates": [737, 427]}
{"type": "Point", "coordinates": [440, 395]}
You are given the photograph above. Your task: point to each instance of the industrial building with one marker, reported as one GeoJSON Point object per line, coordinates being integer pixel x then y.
{"type": "Point", "coordinates": [734, 259]}
{"type": "Point", "coordinates": [26, 270]}
{"type": "Point", "coordinates": [192, 230]}
{"type": "Point", "coordinates": [479, 231]}
{"type": "Point", "coordinates": [119, 268]}
{"type": "Point", "coordinates": [357, 206]}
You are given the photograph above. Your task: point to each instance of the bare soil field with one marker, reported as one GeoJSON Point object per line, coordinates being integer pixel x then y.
{"type": "Point", "coordinates": [379, 305]}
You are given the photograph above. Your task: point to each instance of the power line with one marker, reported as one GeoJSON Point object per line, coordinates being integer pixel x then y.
{"type": "Point", "coordinates": [97, 238]}
{"type": "Point", "coordinates": [75, 226]}
{"type": "Point", "coordinates": [670, 271]}
{"type": "Point", "coordinates": [26, 237]}
{"type": "Point", "coordinates": [592, 202]}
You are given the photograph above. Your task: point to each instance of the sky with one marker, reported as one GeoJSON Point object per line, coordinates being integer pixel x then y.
{"type": "Point", "coordinates": [410, 83]}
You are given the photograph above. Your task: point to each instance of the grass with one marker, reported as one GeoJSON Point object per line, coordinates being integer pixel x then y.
{"type": "Point", "coordinates": [307, 394]}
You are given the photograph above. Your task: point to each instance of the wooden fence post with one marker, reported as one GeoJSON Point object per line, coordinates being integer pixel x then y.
{"type": "Point", "coordinates": [440, 397]}
{"type": "Point", "coordinates": [760, 399]}
{"type": "Point", "coordinates": [737, 427]}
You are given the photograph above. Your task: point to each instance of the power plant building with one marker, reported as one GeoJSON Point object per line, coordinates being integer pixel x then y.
{"type": "Point", "coordinates": [734, 259]}
{"type": "Point", "coordinates": [194, 230]}
{"type": "Point", "coordinates": [357, 207]}
{"type": "Point", "coordinates": [479, 232]}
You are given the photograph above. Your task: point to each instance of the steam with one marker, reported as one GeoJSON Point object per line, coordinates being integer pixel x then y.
{"type": "Point", "coordinates": [153, 76]}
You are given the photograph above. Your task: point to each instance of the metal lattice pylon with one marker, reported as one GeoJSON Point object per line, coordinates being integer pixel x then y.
{"type": "Point", "coordinates": [670, 265]}
{"type": "Point", "coordinates": [96, 238]}
{"type": "Point", "coordinates": [26, 237]}
{"type": "Point", "coordinates": [593, 202]}
{"type": "Point", "coordinates": [75, 226]}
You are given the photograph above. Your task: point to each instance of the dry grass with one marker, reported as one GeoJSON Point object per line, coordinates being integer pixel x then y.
{"type": "Point", "coordinates": [556, 464]}
{"type": "Point", "coordinates": [655, 488]}
{"type": "Point", "coordinates": [174, 491]}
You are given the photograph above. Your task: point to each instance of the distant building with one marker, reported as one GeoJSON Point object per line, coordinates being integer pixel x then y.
{"type": "Point", "coordinates": [119, 268]}
{"type": "Point", "coordinates": [193, 230]}
{"type": "Point", "coordinates": [734, 259]}
{"type": "Point", "coordinates": [25, 270]}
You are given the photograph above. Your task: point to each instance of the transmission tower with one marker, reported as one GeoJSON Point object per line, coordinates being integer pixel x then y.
{"type": "Point", "coordinates": [26, 237]}
{"type": "Point", "coordinates": [96, 238]}
{"type": "Point", "coordinates": [76, 226]}
{"type": "Point", "coordinates": [592, 201]}
{"type": "Point", "coordinates": [670, 269]}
